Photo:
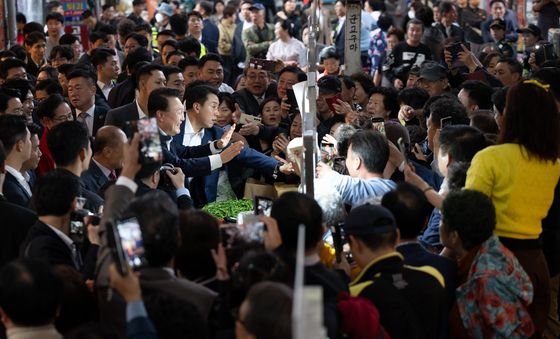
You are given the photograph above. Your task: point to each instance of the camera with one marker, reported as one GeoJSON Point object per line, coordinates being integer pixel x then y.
{"type": "Point", "coordinates": [544, 51]}
{"type": "Point", "coordinates": [164, 181]}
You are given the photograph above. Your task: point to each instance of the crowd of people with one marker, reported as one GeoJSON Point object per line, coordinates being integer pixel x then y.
{"type": "Point", "coordinates": [437, 199]}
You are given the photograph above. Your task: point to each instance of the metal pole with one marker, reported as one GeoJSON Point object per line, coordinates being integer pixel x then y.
{"type": "Point", "coordinates": [12, 25]}
{"type": "Point", "coordinates": [309, 113]}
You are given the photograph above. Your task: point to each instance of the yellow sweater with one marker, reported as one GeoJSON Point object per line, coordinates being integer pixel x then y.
{"type": "Point", "coordinates": [522, 190]}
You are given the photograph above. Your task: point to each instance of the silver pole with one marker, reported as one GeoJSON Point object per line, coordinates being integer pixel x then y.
{"type": "Point", "coordinates": [12, 25]}
{"type": "Point", "coordinates": [309, 113]}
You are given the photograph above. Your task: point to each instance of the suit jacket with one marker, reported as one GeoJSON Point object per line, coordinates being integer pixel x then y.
{"type": "Point", "coordinates": [119, 116]}
{"type": "Point", "coordinates": [210, 36]}
{"type": "Point", "coordinates": [237, 47]}
{"type": "Point", "coordinates": [339, 42]}
{"type": "Point", "coordinates": [204, 188]}
{"type": "Point", "coordinates": [122, 93]}
{"type": "Point", "coordinates": [31, 67]}
{"type": "Point", "coordinates": [16, 221]}
{"type": "Point", "coordinates": [14, 192]}
{"type": "Point", "coordinates": [457, 33]}
{"type": "Point", "coordinates": [193, 161]}
{"type": "Point", "coordinates": [99, 114]}
{"type": "Point", "coordinates": [247, 101]}
{"type": "Point", "coordinates": [93, 178]}
{"type": "Point", "coordinates": [157, 279]}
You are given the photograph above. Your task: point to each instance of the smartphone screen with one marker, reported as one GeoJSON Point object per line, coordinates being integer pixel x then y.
{"type": "Point", "coordinates": [454, 49]}
{"type": "Point", "coordinates": [113, 241]}
{"type": "Point", "coordinates": [378, 124]}
{"type": "Point", "coordinates": [131, 242]}
{"type": "Point", "coordinates": [333, 100]}
{"type": "Point", "coordinates": [445, 122]}
{"type": "Point", "coordinates": [292, 101]}
{"type": "Point", "coordinates": [150, 144]}
{"type": "Point", "coordinates": [262, 206]}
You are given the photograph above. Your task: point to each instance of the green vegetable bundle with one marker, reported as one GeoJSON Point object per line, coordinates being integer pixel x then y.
{"type": "Point", "coordinates": [229, 208]}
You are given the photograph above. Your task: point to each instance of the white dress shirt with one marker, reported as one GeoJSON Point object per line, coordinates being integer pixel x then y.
{"type": "Point", "coordinates": [105, 88]}
{"type": "Point", "coordinates": [20, 179]}
{"type": "Point", "coordinates": [86, 117]}
{"type": "Point", "coordinates": [141, 114]}
{"type": "Point", "coordinates": [192, 138]}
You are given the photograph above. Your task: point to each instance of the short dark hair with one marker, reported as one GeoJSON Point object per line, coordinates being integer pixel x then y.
{"type": "Point", "coordinates": [2, 155]}
{"type": "Point", "coordinates": [228, 99]}
{"type": "Point", "coordinates": [20, 18]}
{"type": "Point", "coordinates": [169, 42]}
{"type": "Point", "coordinates": [157, 215]}
{"type": "Point", "coordinates": [30, 292]}
{"type": "Point", "coordinates": [55, 192]}
{"type": "Point", "coordinates": [5, 95]}
{"type": "Point", "coordinates": [82, 73]}
{"type": "Point", "coordinates": [66, 140]}
{"type": "Point", "coordinates": [414, 22]}
{"type": "Point", "coordinates": [100, 55]}
{"type": "Point", "coordinates": [135, 57]}
{"type": "Point", "coordinates": [229, 10]}
{"type": "Point", "coordinates": [479, 93]}
{"type": "Point", "coordinates": [194, 13]}
{"type": "Point", "coordinates": [107, 29]}
{"type": "Point", "coordinates": [169, 55]}
{"type": "Point", "coordinates": [22, 86]}
{"type": "Point", "coordinates": [414, 97]}
{"type": "Point", "coordinates": [178, 23]}
{"type": "Point", "coordinates": [187, 61]}
{"type": "Point", "coordinates": [198, 94]}
{"type": "Point", "coordinates": [372, 148]}
{"type": "Point", "coordinates": [107, 6]}
{"type": "Point", "coordinates": [167, 32]}
{"type": "Point", "coordinates": [31, 27]}
{"type": "Point", "coordinates": [143, 27]}
{"type": "Point", "coordinates": [514, 65]}
{"type": "Point", "coordinates": [55, 16]}
{"type": "Point", "coordinates": [51, 5]}
{"type": "Point", "coordinates": [499, 99]}
{"type": "Point", "coordinates": [46, 107]}
{"type": "Point", "coordinates": [145, 70]}
{"type": "Point", "coordinates": [95, 36]}
{"type": "Point", "coordinates": [140, 39]}
{"type": "Point", "coordinates": [13, 128]}
{"type": "Point", "coordinates": [190, 45]}
{"type": "Point", "coordinates": [159, 100]}
{"type": "Point", "coordinates": [68, 39]}
{"type": "Point", "coordinates": [66, 69]}
{"type": "Point", "coordinates": [448, 107]}
{"type": "Point", "coordinates": [462, 142]}
{"type": "Point", "coordinates": [471, 214]}
{"type": "Point", "coordinates": [410, 208]}
{"type": "Point", "coordinates": [87, 13]}
{"type": "Point", "coordinates": [125, 27]}
{"type": "Point", "coordinates": [296, 70]}
{"type": "Point", "coordinates": [446, 7]}
{"type": "Point", "coordinates": [62, 51]}
{"type": "Point", "coordinates": [270, 310]}
{"type": "Point", "coordinates": [52, 73]}
{"type": "Point", "coordinates": [293, 209]}
{"type": "Point", "coordinates": [494, 1]}
{"type": "Point", "coordinates": [389, 100]}
{"type": "Point", "coordinates": [34, 37]}
{"type": "Point", "coordinates": [209, 57]}
{"type": "Point", "coordinates": [8, 64]}
{"type": "Point", "coordinates": [170, 69]}
{"type": "Point", "coordinates": [364, 80]}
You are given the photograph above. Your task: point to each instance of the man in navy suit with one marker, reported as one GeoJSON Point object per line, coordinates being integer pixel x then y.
{"type": "Point", "coordinates": [48, 239]}
{"type": "Point", "coordinates": [106, 65]}
{"type": "Point", "coordinates": [107, 158]}
{"type": "Point", "coordinates": [197, 159]}
{"type": "Point", "coordinates": [148, 77]}
{"type": "Point", "coordinates": [210, 33]}
{"type": "Point", "coordinates": [447, 25]}
{"type": "Point", "coordinates": [16, 221]}
{"type": "Point", "coordinates": [16, 138]}
{"type": "Point", "coordinates": [81, 92]}
{"type": "Point", "coordinates": [412, 210]}
{"type": "Point", "coordinates": [199, 129]}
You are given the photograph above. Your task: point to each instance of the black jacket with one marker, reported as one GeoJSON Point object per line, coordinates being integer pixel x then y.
{"type": "Point", "coordinates": [119, 116]}
{"type": "Point", "coordinates": [16, 221]}
{"type": "Point", "coordinates": [14, 192]}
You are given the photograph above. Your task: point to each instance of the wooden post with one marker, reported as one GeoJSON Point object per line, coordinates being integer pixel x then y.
{"type": "Point", "coordinates": [353, 25]}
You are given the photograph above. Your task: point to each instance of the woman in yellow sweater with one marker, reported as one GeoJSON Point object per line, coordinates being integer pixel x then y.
{"type": "Point", "coordinates": [520, 175]}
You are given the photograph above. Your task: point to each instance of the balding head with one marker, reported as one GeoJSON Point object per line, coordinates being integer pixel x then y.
{"type": "Point", "coordinates": [108, 147]}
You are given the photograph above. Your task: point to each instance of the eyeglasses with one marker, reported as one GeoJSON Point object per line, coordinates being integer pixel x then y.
{"type": "Point", "coordinates": [61, 118]}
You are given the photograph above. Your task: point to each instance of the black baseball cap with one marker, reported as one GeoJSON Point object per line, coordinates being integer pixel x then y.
{"type": "Point", "coordinates": [531, 28]}
{"type": "Point", "coordinates": [498, 23]}
{"type": "Point", "coordinates": [329, 84]}
{"type": "Point", "coordinates": [369, 219]}
{"type": "Point", "coordinates": [432, 71]}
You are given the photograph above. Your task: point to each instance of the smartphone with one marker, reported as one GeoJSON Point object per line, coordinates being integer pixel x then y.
{"type": "Point", "coordinates": [113, 241]}
{"type": "Point", "coordinates": [130, 239]}
{"type": "Point", "coordinates": [251, 229]}
{"type": "Point", "coordinates": [544, 52]}
{"type": "Point", "coordinates": [292, 101]}
{"type": "Point", "coordinates": [333, 100]}
{"type": "Point", "coordinates": [402, 149]}
{"type": "Point", "coordinates": [327, 152]}
{"type": "Point", "coordinates": [262, 206]}
{"type": "Point", "coordinates": [378, 124]}
{"type": "Point", "coordinates": [444, 122]}
{"type": "Point", "coordinates": [247, 119]}
{"type": "Point", "coordinates": [266, 65]}
{"type": "Point", "coordinates": [454, 50]}
{"type": "Point", "coordinates": [336, 232]}
{"type": "Point", "coordinates": [150, 143]}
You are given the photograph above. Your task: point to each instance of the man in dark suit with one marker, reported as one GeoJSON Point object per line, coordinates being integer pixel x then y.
{"type": "Point", "coordinates": [210, 33]}
{"type": "Point", "coordinates": [448, 27]}
{"type": "Point", "coordinates": [16, 138]}
{"type": "Point", "coordinates": [257, 88]}
{"type": "Point", "coordinates": [124, 92]}
{"type": "Point", "coordinates": [107, 158]}
{"type": "Point", "coordinates": [35, 44]}
{"type": "Point", "coordinates": [106, 64]}
{"type": "Point", "coordinates": [199, 129]}
{"type": "Point", "coordinates": [71, 150]}
{"type": "Point", "coordinates": [194, 160]}
{"type": "Point", "coordinates": [148, 77]}
{"type": "Point", "coordinates": [16, 221]}
{"type": "Point", "coordinates": [49, 238]}
{"type": "Point", "coordinates": [81, 92]}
